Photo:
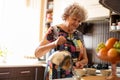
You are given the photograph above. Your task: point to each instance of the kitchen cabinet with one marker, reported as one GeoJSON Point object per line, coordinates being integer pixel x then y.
{"type": "Point", "coordinates": [22, 73]}
{"type": "Point", "coordinates": [49, 13]}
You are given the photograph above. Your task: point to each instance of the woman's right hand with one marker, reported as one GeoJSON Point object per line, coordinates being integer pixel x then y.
{"type": "Point", "coordinates": [60, 40]}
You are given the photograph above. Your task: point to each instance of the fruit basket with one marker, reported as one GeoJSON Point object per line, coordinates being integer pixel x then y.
{"type": "Point", "coordinates": [110, 52]}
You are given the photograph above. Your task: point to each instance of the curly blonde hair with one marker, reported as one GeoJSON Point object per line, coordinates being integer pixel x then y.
{"type": "Point", "coordinates": [75, 10]}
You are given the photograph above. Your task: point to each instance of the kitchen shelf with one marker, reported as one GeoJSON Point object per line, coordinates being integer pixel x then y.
{"type": "Point", "coordinates": [114, 30]}
{"type": "Point", "coordinates": [114, 20]}
{"type": "Point", "coordinates": [49, 10]}
{"type": "Point", "coordinates": [49, 13]}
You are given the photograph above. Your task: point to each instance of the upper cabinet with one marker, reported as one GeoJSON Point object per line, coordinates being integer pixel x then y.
{"type": "Point", "coordinates": [112, 5]}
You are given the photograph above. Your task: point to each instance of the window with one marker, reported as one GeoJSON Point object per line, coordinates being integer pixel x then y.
{"type": "Point", "coordinates": [19, 25]}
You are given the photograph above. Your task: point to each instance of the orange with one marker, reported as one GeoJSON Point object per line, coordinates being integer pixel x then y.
{"type": "Point", "coordinates": [102, 54]}
{"type": "Point", "coordinates": [110, 42]}
{"type": "Point", "coordinates": [112, 53]}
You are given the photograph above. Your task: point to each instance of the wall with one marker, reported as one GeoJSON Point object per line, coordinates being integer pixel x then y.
{"type": "Point", "coordinates": [93, 8]}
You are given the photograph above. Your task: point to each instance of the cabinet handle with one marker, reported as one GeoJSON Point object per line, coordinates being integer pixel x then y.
{"type": "Point", "coordinates": [4, 73]}
{"type": "Point", "coordinates": [23, 72]}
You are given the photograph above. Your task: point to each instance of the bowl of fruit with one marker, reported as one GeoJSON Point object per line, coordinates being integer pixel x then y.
{"type": "Point", "coordinates": [110, 52]}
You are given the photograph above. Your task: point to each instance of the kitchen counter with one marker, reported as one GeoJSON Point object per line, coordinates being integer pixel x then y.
{"type": "Point", "coordinates": [86, 78]}
{"type": "Point", "coordinates": [97, 77]}
{"type": "Point", "coordinates": [25, 63]}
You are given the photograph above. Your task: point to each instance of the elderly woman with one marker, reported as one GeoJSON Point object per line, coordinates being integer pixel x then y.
{"type": "Point", "coordinates": [65, 37]}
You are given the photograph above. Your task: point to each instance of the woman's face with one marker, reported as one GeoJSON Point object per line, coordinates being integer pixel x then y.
{"type": "Point", "coordinates": [73, 22]}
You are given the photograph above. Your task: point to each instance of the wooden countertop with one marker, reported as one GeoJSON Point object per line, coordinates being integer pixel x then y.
{"type": "Point", "coordinates": [94, 78]}
{"type": "Point", "coordinates": [87, 78]}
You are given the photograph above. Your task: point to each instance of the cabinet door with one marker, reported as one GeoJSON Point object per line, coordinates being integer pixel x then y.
{"type": "Point", "coordinates": [7, 74]}
{"type": "Point", "coordinates": [40, 73]}
{"type": "Point", "coordinates": [25, 73]}
{"type": "Point", "coordinates": [26, 78]}
{"type": "Point", "coordinates": [8, 78]}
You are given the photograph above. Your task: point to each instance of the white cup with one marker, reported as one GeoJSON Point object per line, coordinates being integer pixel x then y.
{"type": "Point", "coordinates": [118, 27]}
{"type": "Point", "coordinates": [113, 27]}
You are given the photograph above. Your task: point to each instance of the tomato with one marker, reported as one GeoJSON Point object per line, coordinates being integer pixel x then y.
{"type": "Point", "coordinates": [102, 54]}
{"type": "Point", "coordinates": [110, 42]}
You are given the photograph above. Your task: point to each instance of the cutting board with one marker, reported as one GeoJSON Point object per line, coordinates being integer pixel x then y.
{"type": "Point", "coordinates": [86, 78]}
{"type": "Point", "coordinates": [93, 78]}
